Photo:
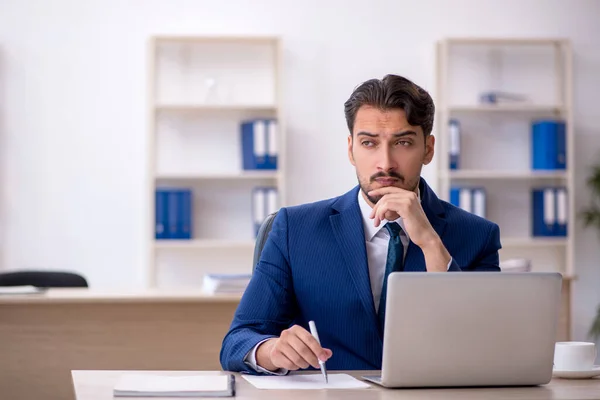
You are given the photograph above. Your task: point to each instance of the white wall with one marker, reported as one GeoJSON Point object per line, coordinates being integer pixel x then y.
{"type": "Point", "coordinates": [73, 108]}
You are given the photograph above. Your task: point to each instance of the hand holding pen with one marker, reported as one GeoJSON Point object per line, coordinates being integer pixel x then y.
{"type": "Point", "coordinates": [295, 349]}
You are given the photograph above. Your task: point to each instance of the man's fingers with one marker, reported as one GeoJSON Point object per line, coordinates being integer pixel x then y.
{"type": "Point", "coordinates": [374, 210]}
{"type": "Point", "coordinates": [316, 349]}
{"type": "Point", "coordinates": [286, 357]}
{"type": "Point", "coordinates": [308, 357]}
{"type": "Point", "coordinates": [389, 190]}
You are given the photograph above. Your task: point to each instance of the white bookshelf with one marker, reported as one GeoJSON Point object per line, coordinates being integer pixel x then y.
{"type": "Point", "coordinates": [200, 90]}
{"type": "Point", "coordinates": [495, 138]}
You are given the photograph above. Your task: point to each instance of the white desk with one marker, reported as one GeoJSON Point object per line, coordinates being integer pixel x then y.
{"type": "Point", "coordinates": [97, 385]}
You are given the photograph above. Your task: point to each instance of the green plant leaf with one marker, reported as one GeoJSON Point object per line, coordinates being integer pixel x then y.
{"type": "Point", "coordinates": [594, 332]}
{"type": "Point", "coordinates": [591, 217]}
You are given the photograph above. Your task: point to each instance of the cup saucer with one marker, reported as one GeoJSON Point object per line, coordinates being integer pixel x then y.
{"type": "Point", "coordinates": [586, 374]}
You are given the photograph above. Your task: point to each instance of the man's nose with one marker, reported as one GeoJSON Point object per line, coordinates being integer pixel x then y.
{"type": "Point", "coordinates": [386, 162]}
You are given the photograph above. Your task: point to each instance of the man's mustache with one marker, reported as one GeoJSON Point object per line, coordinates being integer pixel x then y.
{"type": "Point", "coordinates": [388, 175]}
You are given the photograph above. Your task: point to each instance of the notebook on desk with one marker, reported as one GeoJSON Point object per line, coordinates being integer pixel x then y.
{"type": "Point", "coordinates": [143, 385]}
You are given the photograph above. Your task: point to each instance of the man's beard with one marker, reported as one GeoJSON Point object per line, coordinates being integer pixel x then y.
{"type": "Point", "coordinates": [366, 187]}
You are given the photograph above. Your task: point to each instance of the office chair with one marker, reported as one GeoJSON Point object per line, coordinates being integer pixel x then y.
{"type": "Point", "coordinates": [43, 279]}
{"type": "Point", "coordinates": [261, 237]}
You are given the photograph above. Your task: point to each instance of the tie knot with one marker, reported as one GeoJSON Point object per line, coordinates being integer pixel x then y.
{"type": "Point", "coordinates": [393, 228]}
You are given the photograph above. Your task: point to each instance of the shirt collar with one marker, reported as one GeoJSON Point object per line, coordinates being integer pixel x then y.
{"type": "Point", "coordinates": [370, 229]}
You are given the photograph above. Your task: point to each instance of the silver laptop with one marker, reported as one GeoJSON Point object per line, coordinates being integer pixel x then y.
{"type": "Point", "coordinates": [469, 329]}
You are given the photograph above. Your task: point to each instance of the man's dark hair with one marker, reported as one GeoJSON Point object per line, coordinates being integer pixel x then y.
{"type": "Point", "coordinates": [389, 93]}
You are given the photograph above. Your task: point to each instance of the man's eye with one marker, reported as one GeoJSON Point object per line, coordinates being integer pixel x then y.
{"type": "Point", "coordinates": [367, 143]}
{"type": "Point", "coordinates": [404, 143]}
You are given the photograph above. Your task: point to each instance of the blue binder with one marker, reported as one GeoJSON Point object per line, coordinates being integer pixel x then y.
{"type": "Point", "coordinates": [470, 199]}
{"type": "Point", "coordinates": [265, 201]}
{"type": "Point", "coordinates": [272, 143]}
{"type": "Point", "coordinates": [479, 202]}
{"type": "Point", "coordinates": [455, 196]}
{"type": "Point", "coordinates": [549, 211]}
{"type": "Point", "coordinates": [173, 214]}
{"type": "Point", "coordinates": [562, 211]}
{"type": "Point", "coordinates": [161, 214]}
{"type": "Point", "coordinates": [454, 153]}
{"type": "Point", "coordinates": [257, 150]}
{"type": "Point", "coordinates": [184, 214]}
{"type": "Point", "coordinates": [548, 145]}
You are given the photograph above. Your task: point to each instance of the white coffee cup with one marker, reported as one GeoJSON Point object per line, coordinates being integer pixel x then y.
{"type": "Point", "coordinates": [574, 356]}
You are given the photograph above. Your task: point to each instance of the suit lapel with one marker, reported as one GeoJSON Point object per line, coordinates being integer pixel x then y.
{"type": "Point", "coordinates": [348, 230]}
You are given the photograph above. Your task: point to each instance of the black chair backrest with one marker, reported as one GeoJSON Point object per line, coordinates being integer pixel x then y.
{"type": "Point", "coordinates": [261, 237]}
{"type": "Point", "coordinates": [42, 279]}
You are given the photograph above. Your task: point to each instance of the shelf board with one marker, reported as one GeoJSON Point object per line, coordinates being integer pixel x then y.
{"type": "Point", "coordinates": [495, 174]}
{"type": "Point", "coordinates": [203, 244]}
{"type": "Point", "coordinates": [533, 241]}
{"type": "Point", "coordinates": [246, 39]}
{"type": "Point", "coordinates": [246, 175]}
{"type": "Point", "coordinates": [505, 41]}
{"type": "Point", "coordinates": [516, 108]}
{"type": "Point", "coordinates": [188, 108]}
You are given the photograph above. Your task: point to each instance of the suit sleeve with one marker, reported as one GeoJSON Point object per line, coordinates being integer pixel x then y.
{"type": "Point", "coordinates": [488, 259]}
{"type": "Point", "coordinates": [268, 305]}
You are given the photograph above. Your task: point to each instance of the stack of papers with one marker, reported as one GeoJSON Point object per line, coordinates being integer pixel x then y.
{"type": "Point", "coordinates": [226, 283]}
{"type": "Point", "coordinates": [306, 381]}
{"type": "Point", "coordinates": [20, 290]}
{"type": "Point", "coordinates": [140, 385]}
{"type": "Point", "coordinates": [515, 265]}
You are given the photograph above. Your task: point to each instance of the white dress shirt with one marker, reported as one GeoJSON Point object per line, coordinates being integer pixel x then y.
{"type": "Point", "coordinates": [376, 241]}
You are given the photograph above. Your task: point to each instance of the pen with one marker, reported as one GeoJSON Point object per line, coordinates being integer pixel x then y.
{"type": "Point", "coordinates": [313, 331]}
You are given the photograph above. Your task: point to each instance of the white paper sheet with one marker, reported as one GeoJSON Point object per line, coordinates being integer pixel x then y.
{"type": "Point", "coordinates": [306, 381]}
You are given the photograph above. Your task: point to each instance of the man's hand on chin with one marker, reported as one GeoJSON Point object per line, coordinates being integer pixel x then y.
{"type": "Point", "coordinates": [406, 204]}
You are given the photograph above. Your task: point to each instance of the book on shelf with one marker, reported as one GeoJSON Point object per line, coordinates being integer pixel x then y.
{"type": "Point", "coordinates": [470, 199]}
{"type": "Point", "coordinates": [259, 144]}
{"type": "Point", "coordinates": [549, 211]}
{"type": "Point", "coordinates": [173, 213]}
{"type": "Point", "coordinates": [226, 283]}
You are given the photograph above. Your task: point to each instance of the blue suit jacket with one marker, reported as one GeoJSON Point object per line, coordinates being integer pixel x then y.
{"type": "Point", "coordinates": [314, 267]}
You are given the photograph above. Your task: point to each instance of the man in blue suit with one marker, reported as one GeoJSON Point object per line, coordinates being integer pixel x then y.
{"type": "Point", "coordinates": [328, 261]}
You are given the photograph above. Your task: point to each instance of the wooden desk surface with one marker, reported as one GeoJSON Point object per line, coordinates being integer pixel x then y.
{"type": "Point", "coordinates": [97, 385]}
{"type": "Point", "coordinates": [97, 296]}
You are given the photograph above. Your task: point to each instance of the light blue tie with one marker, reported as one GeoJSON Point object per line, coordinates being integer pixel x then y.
{"type": "Point", "coordinates": [394, 263]}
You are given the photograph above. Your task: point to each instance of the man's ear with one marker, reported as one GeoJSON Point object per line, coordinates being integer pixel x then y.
{"type": "Point", "coordinates": [429, 149]}
{"type": "Point", "coordinates": [350, 155]}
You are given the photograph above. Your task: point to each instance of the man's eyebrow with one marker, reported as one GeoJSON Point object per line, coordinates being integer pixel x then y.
{"type": "Point", "coordinates": [395, 135]}
{"type": "Point", "coordinates": [405, 133]}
